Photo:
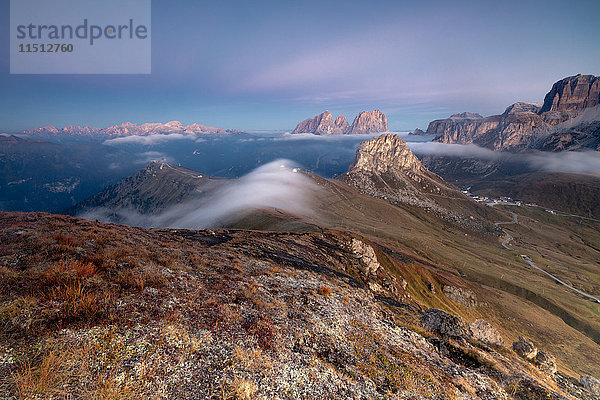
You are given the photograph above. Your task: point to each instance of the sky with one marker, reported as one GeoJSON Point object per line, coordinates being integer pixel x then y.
{"type": "Point", "coordinates": [267, 65]}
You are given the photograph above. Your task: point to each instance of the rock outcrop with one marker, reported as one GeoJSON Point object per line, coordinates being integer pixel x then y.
{"type": "Point", "coordinates": [591, 384]}
{"type": "Point", "coordinates": [484, 332]}
{"type": "Point", "coordinates": [461, 295]}
{"type": "Point", "coordinates": [525, 348]}
{"type": "Point", "coordinates": [528, 125]}
{"type": "Point", "coordinates": [573, 93]}
{"type": "Point", "coordinates": [509, 131]}
{"type": "Point", "coordinates": [323, 124]}
{"type": "Point", "coordinates": [445, 324]}
{"type": "Point", "coordinates": [522, 107]}
{"type": "Point", "coordinates": [369, 122]}
{"type": "Point", "coordinates": [385, 154]}
{"type": "Point", "coordinates": [545, 362]}
{"type": "Point", "coordinates": [366, 255]}
{"type": "Point", "coordinates": [384, 167]}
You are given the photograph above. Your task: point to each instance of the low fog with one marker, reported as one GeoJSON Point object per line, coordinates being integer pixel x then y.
{"type": "Point", "coordinates": [277, 185]}
{"type": "Point", "coordinates": [576, 162]}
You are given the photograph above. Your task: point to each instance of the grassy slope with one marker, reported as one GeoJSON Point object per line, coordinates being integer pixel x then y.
{"type": "Point", "coordinates": [218, 314]}
{"type": "Point", "coordinates": [499, 275]}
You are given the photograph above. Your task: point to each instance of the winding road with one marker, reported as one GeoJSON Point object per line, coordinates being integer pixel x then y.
{"type": "Point", "coordinates": [528, 260]}
{"type": "Point", "coordinates": [510, 238]}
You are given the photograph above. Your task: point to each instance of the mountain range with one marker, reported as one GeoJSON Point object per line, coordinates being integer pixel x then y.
{"type": "Point", "coordinates": [355, 288]}
{"type": "Point", "coordinates": [385, 281]}
{"type": "Point", "coordinates": [568, 119]}
{"type": "Point", "coordinates": [126, 129]}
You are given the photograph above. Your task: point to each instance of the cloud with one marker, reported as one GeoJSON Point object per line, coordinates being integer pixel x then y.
{"type": "Point", "coordinates": [453, 150]}
{"type": "Point", "coordinates": [149, 156]}
{"type": "Point", "coordinates": [576, 162]}
{"type": "Point", "coordinates": [147, 140]}
{"type": "Point", "coordinates": [275, 185]}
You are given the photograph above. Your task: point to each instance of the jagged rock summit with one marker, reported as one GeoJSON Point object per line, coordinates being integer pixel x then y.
{"type": "Point", "coordinates": [369, 122]}
{"type": "Point", "coordinates": [563, 122]}
{"type": "Point", "coordinates": [324, 124]}
{"type": "Point", "coordinates": [384, 154]}
{"type": "Point", "coordinates": [385, 168]}
{"type": "Point", "coordinates": [573, 93]}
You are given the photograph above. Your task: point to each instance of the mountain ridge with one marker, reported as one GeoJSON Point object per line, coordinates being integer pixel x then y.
{"type": "Point", "coordinates": [128, 129]}
{"type": "Point", "coordinates": [525, 126]}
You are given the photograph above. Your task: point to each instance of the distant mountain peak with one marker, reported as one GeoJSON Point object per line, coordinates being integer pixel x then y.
{"type": "Point", "coordinates": [324, 124]}
{"type": "Point", "coordinates": [521, 107]}
{"type": "Point", "coordinates": [369, 122]}
{"type": "Point", "coordinates": [465, 115]}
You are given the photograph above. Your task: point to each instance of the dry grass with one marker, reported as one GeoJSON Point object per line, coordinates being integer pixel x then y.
{"type": "Point", "coordinates": [43, 379]}
{"type": "Point", "coordinates": [252, 359]}
{"type": "Point", "coordinates": [242, 389]}
{"type": "Point", "coordinates": [324, 291]}
{"type": "Point", "coordinates": [79, 302]}
{"type": "Point", "coordinates": [140, 278]}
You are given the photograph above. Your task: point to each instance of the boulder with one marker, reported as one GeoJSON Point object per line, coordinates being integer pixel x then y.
{"type": "Point", "coordinates": [461, 295]}
{"type": "Point", "coordinates": [591, 384]}
{"type": "Point", "coordinates": [546, 362]}
{"type": "Point", "coordinates": [525, 348]}
{"type": "Point", "coordinates": [484, 332]}
{"type": "Point", "coordinates": [443, 323]}
{"type": "Point", "coordinates": [366, 255]}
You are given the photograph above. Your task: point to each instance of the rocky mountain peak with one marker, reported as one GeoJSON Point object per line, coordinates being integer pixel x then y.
{"type": "Point", "coordinates": [465, 115]}
{"type": "Point", "coordinates": [384, 153]}
{"type": "Point", "coordinates": [369, 122]}
{"type": "Point", "coordinates": [386, 168]}
{"type": "Point", "coordinates": [521, 107]}
{"type": "Point", "coordinates": [341, 123]}
{"type": "Point", "coordinates": [573, 93]}
{"type": "Point", "coordinates": [323, 124]}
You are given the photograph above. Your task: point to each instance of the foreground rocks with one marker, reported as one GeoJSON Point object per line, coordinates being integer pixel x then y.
{"type": "Point", "coordinates": [453, 326]}
{"type": "Point", "coordinates": [443, 323]}
{"type": "Point", "coordinates": [461, 295]}
{"type": "Point", "coordinates": [178, 314]}
{"type": "Point", "coordinates": [525, 348]}
{"type": "Point", "coordinates": [484, 332]}
{"type": "Point", "coordinates": [592, 384]}
{"type": "Point", "coordinates": [545, 362]}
